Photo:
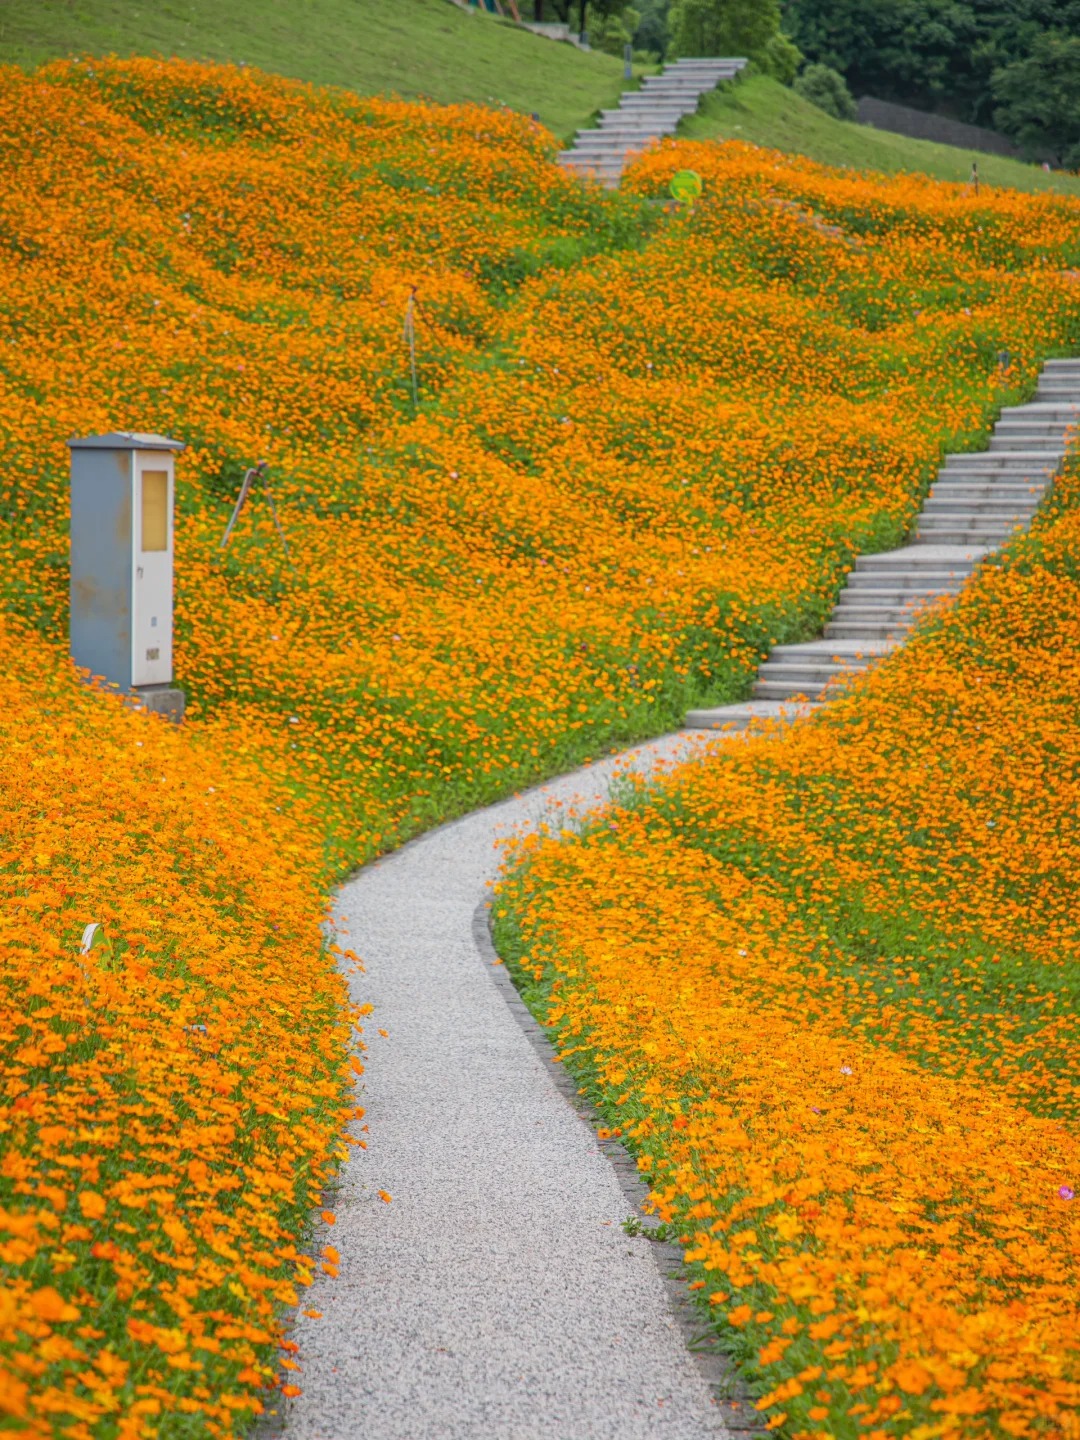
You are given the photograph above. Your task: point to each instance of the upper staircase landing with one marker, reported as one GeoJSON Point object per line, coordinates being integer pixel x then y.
{"type": "Point", "coordinates": [644, 116]}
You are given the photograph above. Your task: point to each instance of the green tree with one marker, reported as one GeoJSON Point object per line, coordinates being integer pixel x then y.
{"type": "Point", "coordinates": [825, 87]}
{"type": "Point", "coordinates": [652, 32]}
{"type": "Point", "coordinates": [781, 58]}
{"type": "Point", "coordinates": [723, 27]}
{"type": "Point", "coordinates": [613, 33]}
{"type": "Point", "coordinates": [577, 13]}
{"type": "Point", "coordinates": [1039, 97]}
{"type": "Point", "coordinates": [938, 54]}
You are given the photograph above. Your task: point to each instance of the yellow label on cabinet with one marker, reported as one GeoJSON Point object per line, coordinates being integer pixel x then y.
{"type": "Point", "coordinates": [155, 510]}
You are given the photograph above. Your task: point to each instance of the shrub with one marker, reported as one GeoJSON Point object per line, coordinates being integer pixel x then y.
{"type": "Point", "coordinates": [781, 58]}
{"type": "Point", "coordinates": [827, 89]}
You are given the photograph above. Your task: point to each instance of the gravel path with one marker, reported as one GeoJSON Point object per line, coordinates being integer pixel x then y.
{"type": "Point", "coordinates": [496, 1296]}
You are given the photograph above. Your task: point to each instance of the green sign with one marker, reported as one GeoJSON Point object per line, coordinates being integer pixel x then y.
{"type": "Point", "coordinates": [686, 186]}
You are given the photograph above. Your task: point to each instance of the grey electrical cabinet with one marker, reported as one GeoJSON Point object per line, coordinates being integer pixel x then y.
{"type": "Point", "coordinates": [122, 488]}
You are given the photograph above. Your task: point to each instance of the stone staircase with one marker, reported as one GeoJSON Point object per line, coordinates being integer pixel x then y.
{"type": "Point", "coordinates": [973, 507]}
{"type": "Point", "coordinates": [643, 116]}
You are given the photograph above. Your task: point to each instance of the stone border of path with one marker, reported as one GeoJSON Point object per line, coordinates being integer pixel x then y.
{"type": "Point", "coordinates": [734, 1399]}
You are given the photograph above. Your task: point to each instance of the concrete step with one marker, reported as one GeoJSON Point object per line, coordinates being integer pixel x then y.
{"type": "Point", "coordinates": [738, 717]}
{"type": "Point", "coordinates": [1008, 482]}
{"type": "Point", "coordinates": [932, 560]}
{"type": "Point", "coordinates": [867, 629]}
{"type": "Point", "coordinates": [988, 533]}
{"type": "Point", "coordinates": [639, 114]}
{"type": "Point", "coordinates": [1051, 429]}
{"type": "Point", "coordinates": [998, 474]}
{"type": "Point", "coordinates": [893, 586]}
{"type": "Point", "coordinates": [965, 519]}
{"type": "Point", "coordinates": [643, 116]}
{"type": "Point", "coordinates": [1022, 494]}
{"type": "Point", "coordinates": [639, 134]}
{"type": "Point", "coordinates": [901, 614]}
{"type": "Point", "coordinates": [1034, 455]}
{"type": "Point", "coordinates": [1008, 440]}
{"type": "Point", "coordinates": [706, 62]}
{"type": "Point", "coordinates": [599, 141]}
{"type": "Point", "coordinates": [596, 142]}
{"type": "Point", "coordinates": [633, 131]}
{"type": "Point", "coordinates": [613, 155]}
{"type": "Point", "coordinates": [978, 509]}
{"type": "Point", "coordinates": [673, 87]}
{"type": "Point", "coordinates": [789, 689]}
{"type": "Point", "coordinates": [661, 99]}
{"type": "Point", "coordinates": [1041, 410]}
{"type": "Point", "coordinates": [873, 604]}
{"type": "Point", "coordinates": [615, 162]}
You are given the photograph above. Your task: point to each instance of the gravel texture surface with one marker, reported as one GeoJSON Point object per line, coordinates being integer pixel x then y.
{"type": "Point", "coordinates": [495, 1296]}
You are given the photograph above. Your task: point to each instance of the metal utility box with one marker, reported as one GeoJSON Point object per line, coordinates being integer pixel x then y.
{"type": "Point", "coordinates": [122, 488]}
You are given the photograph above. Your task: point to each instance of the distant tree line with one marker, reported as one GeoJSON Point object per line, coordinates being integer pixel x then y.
{"type": "Point", "coordinates": [1010, 64]}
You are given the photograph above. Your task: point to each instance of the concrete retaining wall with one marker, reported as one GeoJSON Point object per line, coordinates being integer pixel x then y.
{"type": "Point", "coordinates": [920, 125]}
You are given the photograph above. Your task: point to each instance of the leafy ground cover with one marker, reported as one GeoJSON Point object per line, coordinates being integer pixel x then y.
{"type": "Point", "coordinates": [643, 445]}
{"type": "Point", "coordinates": [825, 985]}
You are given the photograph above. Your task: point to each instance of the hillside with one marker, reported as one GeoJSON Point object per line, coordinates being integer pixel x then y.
{"type": "Point", "coordinates": [642, 445]}
{"type": "Point", "coordinates": [432, 49]}
{"type": "Point", "coordinates": [761, 111]}
{"type": "Point", "coordinates": [825, 985]}
{"type": "Point", "coordinates": [411, 48]}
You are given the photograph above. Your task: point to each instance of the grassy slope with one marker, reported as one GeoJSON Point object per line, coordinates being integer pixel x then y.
{"type": "Point", "coordinates": [407, 47]}
{"type": "Point", "coordinates": [765, 113]}
{"type": "Point", "coordinates": [431, 48]}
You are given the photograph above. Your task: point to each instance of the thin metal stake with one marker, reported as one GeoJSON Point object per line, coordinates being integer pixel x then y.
{"type": "Point", "coordinates": [257, 472]}
{"type": "Point", "coordinates": [241, 500]}
{"type": "Point", "coordinates": [277, 523]}
{"type": "Point", "coordinates": [410, 336]}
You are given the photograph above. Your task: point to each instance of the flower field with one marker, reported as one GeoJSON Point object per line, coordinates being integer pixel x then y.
{"type": "Point", "coordinates": [640, 446]}
{"type": "Point", "coordinates": [825, 984]}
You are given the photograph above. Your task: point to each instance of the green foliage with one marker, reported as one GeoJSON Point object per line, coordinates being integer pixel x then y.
{"type": "Point", "coordinates": [929, 53]}
{"type": "Point", "coordinates": [1039, 97]}
{"type": "Point", "coordinates": [723, 27]}
{"type": "Point", "coordinates": [781, 58]}
{"type": "Point", "coordinates": [652, 34]}
{"type": "Point", "coordinates": [612, 33]}
{"type": "Point", "coordinates": [826, 88]}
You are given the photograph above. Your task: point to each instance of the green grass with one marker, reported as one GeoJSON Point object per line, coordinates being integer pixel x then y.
{"type": "Point", "coordinates": [376, 47]}
{"type": "Point", "coordinates": [763, 112]}
{"type": "Point", "coordinates": [431, 48]}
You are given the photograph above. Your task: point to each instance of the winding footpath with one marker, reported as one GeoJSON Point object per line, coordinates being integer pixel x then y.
{"type": "Point", "coordinates": [495, 1296]}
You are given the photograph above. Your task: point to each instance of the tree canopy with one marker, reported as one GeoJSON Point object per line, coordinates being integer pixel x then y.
{"type": "Point", "coordinates": [723, 27]}
{"type": "Point", "coordinates": [940, 54]}
{"type": "Point", "coordinates": [1039, 97]}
